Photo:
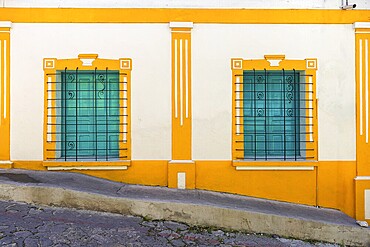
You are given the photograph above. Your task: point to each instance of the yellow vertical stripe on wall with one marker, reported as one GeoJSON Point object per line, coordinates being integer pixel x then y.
{"type": "Point", "coordinates": [1, 76]}
{"type": "Point", "coordinates": [4, 94]}
{"type": "Point", "coordinates": [362, 102]}
{"type": "Point", "coordinates": [181, 94]}
{"type": "Point", "coordinates": [362, 57]}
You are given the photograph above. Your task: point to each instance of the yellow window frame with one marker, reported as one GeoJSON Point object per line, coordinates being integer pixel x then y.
{"type": "Point", "coordinates": [85, 62]}
{"type": "Point", "coordinates": [273, 63]}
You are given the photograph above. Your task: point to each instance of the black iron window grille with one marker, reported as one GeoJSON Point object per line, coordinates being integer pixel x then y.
{"type": "Point", "coordinates": [87, 116]}
{"type": "Point", "coordinates": [274, 115]}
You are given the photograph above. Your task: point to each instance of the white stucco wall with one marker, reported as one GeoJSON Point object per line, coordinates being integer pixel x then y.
{"type": "Point", "coordinates": [214, 46]}
{"type": "Point", "coordinates": [148, 46]}
{"type": "Point", "coordinates": [263, 4]}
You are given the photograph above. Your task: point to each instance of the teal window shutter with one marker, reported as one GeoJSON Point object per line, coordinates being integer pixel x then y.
{"type": "Point", "coordinates": [273, 108]}
{"type": "Point", "coordinates": [89, 115]}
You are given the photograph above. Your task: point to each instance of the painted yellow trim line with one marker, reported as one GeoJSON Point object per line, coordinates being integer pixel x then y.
{"type": "Point", "coordinates": [241, 163]}
{"type": "Point", "coordinates": [274, 168]}
{"type": "Point", "coordinates": [162, 15]}
{"type": "Point", "coordinates": [363, 178]}
{"type": "Point", "coordinates": [65, 168]}
{"type": "Point", "coordinates": [86, 163]}
{"type": "Point", "coordinates": [6, 162]}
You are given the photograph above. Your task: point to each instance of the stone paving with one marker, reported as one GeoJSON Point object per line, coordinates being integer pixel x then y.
{"type": "Point", "coordinates": [29, 225]}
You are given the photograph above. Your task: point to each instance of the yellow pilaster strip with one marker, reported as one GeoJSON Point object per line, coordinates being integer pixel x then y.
{"type": "Point", "coordinates": [362, 32]}
{"type": "Point", "coordinates": [362, 44]}
{"type": "Point", "coordinates": [181, 90]}
{"type": "Point", "coordinates": [4, 90]}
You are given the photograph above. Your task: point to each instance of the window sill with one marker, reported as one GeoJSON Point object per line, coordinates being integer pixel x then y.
{"type": "Point", "coordinates": [87, 165]}
{"type": "Point", "coordinates": [243, 165]}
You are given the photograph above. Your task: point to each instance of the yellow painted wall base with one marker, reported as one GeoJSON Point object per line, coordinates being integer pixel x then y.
{"type": "Point", "coordinates": [29, 165]}
{"type": "Point", "coordinates": [181, 174]}
{"type": "Point", "coordinates": [290, 186]}
{"type": "Point", "coordinates": [361, 186]}
{"type": "Point", "coordinates": [152, 173]}
{"type": "Point", "coordinates": [330, 184]}
{"type": "Point", "coordinates": [336, 187]}
{"type": "Point", "coordinates": [6, 165]}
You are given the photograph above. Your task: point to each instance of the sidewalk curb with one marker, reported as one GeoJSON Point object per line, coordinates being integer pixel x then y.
{"type": "Point", "coordinates": [192, 214]}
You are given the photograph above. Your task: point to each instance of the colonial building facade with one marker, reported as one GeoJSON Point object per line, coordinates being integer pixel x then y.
{"type": "Point", "coordinates": [265, 99]}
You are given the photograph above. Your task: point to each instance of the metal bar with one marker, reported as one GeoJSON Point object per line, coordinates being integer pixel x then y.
{"type": "Point", "coordinates": [79, 141]}
{"type": "Point", "coordinates": [92, 124]}
{"type": "Point", "coordinates": [86, 149]}
{"type": "Point", "coordinates": [269, 73]}
{"type": "Point", "coordinates": [266, 116]}
{"type": "Point", "coordinates": [77, 96]}
{"type": "Point", "coordinates": [82, 107]}
{"type": "Point", "coordinates": [295, 114]}
{"type": "Point", "coordinates": [81, 132]}
{"type": "Point", "coordinates": [55, 90]}
{"type": "Point", "coordinates": [267, 125]}
{"type": "Point", "coordinates": [301, 83]}
{"type": "Point", "coordinates": [239, 141]}
{"type": "Point", "coordinates": [254, 114]}
{"type": "Point", "coordinates": [276, 108]}
{"type": "Point", "coordinates": [301, 100]}
{"type": "Point", "coordinates": [65, 114]}
{"type": "Point", "coordinates": [271, 125]}
{"type": "Point", "coordinates": [284, 113]}
{"type": "Point", "coordinates": [125, 115]}
{"type": "Point", "coordinates": [106, 115]}
{"type": "Point", "coordinates": [93, 98]}
{"type": "Point", "coordinates": [95, 115]}
{"type": "Point", "coordinates": [71, 158]}
{"type": "Point", "coordinates": [300, 117]}
{"type": "Point", "coordinates": [301, 149]}
{"type": "Point", "coordinates": [274, 91]}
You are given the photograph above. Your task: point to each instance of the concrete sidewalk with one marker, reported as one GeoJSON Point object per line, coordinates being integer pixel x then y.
{"type": "Point", "coordinates": [193, 207]}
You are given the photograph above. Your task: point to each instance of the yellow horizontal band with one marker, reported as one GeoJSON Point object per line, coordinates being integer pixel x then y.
{"type": "Point", "coordinates": [6, 162]}
{"type": "Point", "coordinates": [158, 15]}
{"type": "Point", "coordinates": [363, 178]}
{"type": "Point", "coordinates": [86, 163]}
{"type": "Point", "coordinates": [243, 163]}
{"type": "Point", "coordinates": [274, 168]}
{"type": "Point", "coordinates": [68, 168]}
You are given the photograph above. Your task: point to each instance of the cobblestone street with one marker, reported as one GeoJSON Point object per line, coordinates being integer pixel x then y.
{"type": "Point", "coordinates": [28, 225]}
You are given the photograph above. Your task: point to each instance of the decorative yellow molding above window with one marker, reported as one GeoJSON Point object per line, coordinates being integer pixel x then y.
{"type": "Point", "coordinates": [87, 110]}
{"type": "Point", "coordinates": [274, 109]}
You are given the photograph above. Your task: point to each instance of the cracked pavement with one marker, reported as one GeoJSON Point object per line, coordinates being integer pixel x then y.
{"type": "Point", "coordinates": [24, 224]}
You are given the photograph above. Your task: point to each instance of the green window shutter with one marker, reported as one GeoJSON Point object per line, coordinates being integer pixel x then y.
{"type": "Point", "coordinates": [272, 115]}
{"type": "Point", "coordinates": [90, 115]}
